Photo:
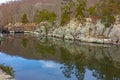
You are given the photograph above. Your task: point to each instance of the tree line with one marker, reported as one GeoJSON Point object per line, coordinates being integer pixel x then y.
{"type": "Point", "coordinates": [31, 11]}
{"type": "Point", "coordinates": [105, 10]}
{"type": "Point", "coordinates": [19, 10]}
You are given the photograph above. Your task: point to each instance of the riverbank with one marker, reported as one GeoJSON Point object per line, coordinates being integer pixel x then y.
{"type": "Point", "coordinates": [5, 76]}
{"type": "Point", "coordinates": [89, 32]}
{"type": "Point", "coordinates": [81, 39]}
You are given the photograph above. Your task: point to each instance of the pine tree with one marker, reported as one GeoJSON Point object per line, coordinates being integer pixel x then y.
{"type": "Point", "coordinates": [45, 15]}
{"type": "Point", "coordinates": [80, 9]}
{"type": "Point", "coordinates": [67, 11]}
{"type": "Point", "coordinates": [24, 18]}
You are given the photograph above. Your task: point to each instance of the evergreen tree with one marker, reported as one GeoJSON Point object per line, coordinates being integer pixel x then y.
{"type": "Point", "coordinates": [67, 11]}
{"type": "Point", "coordinates": [45, 15]}
{"type": "Point", "coordinates": [76, 9]}
{"type": "Point", "coordinates": [80, 10]}
{"type": "Point", "coordinates": [65, 18]}
{"type": "Point", "coordinates": [91, 12]}
{"type": "Point", "coordinates": [106, 10]}
{"type": "Point", "coordinates": [24, 18]}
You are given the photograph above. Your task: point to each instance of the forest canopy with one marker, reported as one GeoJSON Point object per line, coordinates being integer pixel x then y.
{"type": "Point", "coordinates": [62, 11]}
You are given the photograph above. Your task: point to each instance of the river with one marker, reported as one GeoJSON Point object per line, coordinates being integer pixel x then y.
{"type": "Point", "coordinates": [52, 59]}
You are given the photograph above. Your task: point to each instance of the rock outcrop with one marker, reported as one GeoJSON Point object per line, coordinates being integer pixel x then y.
{"type": "Point", "coordinates": [87, 32]}
{"type": "Point", "coordinates": [4, 76]}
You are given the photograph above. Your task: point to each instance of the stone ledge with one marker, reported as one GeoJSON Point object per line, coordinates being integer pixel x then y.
{"type": "Point", "coordinates": [4, 76]}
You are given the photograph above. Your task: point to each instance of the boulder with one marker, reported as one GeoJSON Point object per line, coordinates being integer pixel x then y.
{"type": "Point", "coordinates": [99, 28]}
{"type": "Point", "coordinates": [115, 33]}
{"type": "Point", "coordinates": [41, 31]}
{"type": "Point", "coordinates": [69, 37]}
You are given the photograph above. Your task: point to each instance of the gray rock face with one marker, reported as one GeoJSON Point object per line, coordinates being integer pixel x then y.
{"type": "Point", "coordinates": [115, 34]}
{"type": "Point", "coordinates": [44, 29]}
{"type": "Point", "coordinates": [41, 30]}
{"type": "Point", "coordinates": [99, 28]}
{"type": "Point", "coordinates": [88, 32]}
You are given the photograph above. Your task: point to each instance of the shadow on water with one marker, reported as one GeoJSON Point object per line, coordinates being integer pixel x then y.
{"type": "Point", "coordinates": [103, 61]}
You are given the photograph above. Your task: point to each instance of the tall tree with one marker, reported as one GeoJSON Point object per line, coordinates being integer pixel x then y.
{"type": "Point", "coordinates": [45, 15]}
{"type": "Point", "coordinates": [24, 18]}
{"type": "Point", "coordinates": [80, 10]}
{"type": "Point", "coordinates": [67, 11]}
{"type": "Point", "coordinates": [106, 10]}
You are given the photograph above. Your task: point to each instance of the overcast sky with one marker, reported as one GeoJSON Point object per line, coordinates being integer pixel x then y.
{"type": "Point", "coordinates": [3, 1]}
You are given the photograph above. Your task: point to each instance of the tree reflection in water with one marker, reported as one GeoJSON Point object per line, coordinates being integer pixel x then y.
{"type": "Point", "coordinates": [77, 58]}
{"type": "Point", "coordinates": [24, 42]}
{"type": "Point", "coordinates": [102, 60]}
{"type": "Point", "coordinates": [103, 69]}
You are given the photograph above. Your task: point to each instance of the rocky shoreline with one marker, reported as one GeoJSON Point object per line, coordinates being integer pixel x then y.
{"type": "Point", "coordinates": [89, 32]}
{"type": "Point", "coordinates": [82, 39]}
{"type": "Point", "coordinates": [5, 76]}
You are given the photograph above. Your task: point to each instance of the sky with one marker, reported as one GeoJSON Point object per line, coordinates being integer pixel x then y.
{"type": "Point", "coordinates": [4, 1]}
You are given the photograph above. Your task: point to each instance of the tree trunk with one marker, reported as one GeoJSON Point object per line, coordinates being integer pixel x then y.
{"type": "Point", "coordinates": [110, 30]}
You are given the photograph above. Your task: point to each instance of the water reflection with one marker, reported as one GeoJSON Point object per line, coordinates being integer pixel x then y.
{"type": "Point", "coordinates": [103, 69]}
{"type": "Point", "coordinates": [58, 60]}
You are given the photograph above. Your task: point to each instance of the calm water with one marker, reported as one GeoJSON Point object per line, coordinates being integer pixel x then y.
{"type": "Point", "coordinates": [48, 59]}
